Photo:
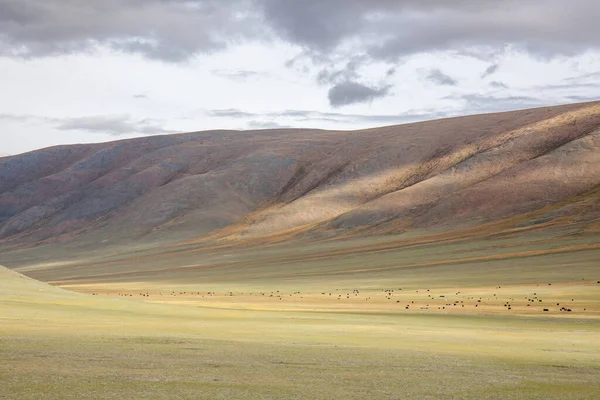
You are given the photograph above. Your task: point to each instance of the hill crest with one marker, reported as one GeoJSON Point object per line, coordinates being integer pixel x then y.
{"type": "Point", "coordinates": [439, 174]}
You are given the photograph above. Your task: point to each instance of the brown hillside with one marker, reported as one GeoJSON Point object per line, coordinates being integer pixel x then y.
{"type": "Point", "coordinates": [438, 174]}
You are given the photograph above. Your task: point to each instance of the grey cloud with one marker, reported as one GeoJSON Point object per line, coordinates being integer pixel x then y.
{"type": "Point", "coordinates": [570, 86]}
{"type": "Point", "coordinates": [328, 76]}
{"type": "Point", "coordinates": [401, 118]}
{"type": "Point", "coordinates": [115, 125]}
{"type": "Point", "coordinates": [230, 113]}
{"type": "Point", "coordinates": [478, 103]}
{"type": "Point", "coordinates": [391, 29]}
{"type": "Point", "coordinates": [591, 75]}
{"type": "Point", "coordinates": [265, 125]}
{"type": "Point", "coordinates": [315, 24]}
{"type": "Point", "coordinates": [174, 30]}
{"type": "Point", "coordinates": [170, 30]}
{"type": "Point", "coordinates": [349, 92]}
{"type": "Point", "coordinates": [438, 77]}
{"type": "Point", "coordinates": [490, 70]}
{"type": "Point", "coordinates": [585, 87]}
{"type": "Point", "coordinates": [29, 119]}
{"type": "Point", "coordinates": [349, 72]}
{"type": "Point", "coordinates": [583, 99]}
{"type": "Point", "coordinates": [110, 124]}
{"type": "Point", "coordinates": [269, 119]}
{"type": "Point", "coordinates": [498, 85]}
{"type": "Point", "coordinates": [238, 75]}
{"type": "Point", "coordinates": [18, 118]}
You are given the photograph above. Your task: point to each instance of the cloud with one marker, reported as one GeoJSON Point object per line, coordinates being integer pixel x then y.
{"type": "Point", "coordinates": [239, 75]}
{"type": "Point", "coordinates": [114, 125]}
{"type": "Point", "coordinates": [591, 75]}
{"type": "Point", "coordinates": [168, 30]}
{"type": "Point", "coordinates": [392, 29]}
{"type": "Point", "coordinates": [349, 72]}
{"type": "Point", "coordinates": [583, 99]}
{"type": "Point", "coordinates": [270, 119]}
{"type": "Point", "coordinates": [230, 113]}
{"type": "Point", "coordinates": [438, 77]}
{"type": "Point", "coordinates": [490, 70]}
{"type": "Point", "coordinates": [175, 30]}
{"type": "Point", "coordinates": [570, 86]}
{"type": "Point", "coordinates": [349, 92]}
{"type": "Point", "coordinates": [498, 85]}
{"type": "Point", "coordinates": [478, 103]}
{"type": "Point", "coordinates": [23, 118]}
{"type": "Point", "coordinates": [122, 124]}
{"type": "Point", "coordinates": [341, 37]}
{"type": "Point", "coordinates": [265, 125]}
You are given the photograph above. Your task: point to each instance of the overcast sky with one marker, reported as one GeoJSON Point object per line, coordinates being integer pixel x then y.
{"type": "Point", "coordinates": [87, 71]}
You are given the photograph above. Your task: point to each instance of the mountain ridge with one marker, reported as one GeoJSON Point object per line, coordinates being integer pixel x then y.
{"type": "Point", "coordinates": [438, 174]}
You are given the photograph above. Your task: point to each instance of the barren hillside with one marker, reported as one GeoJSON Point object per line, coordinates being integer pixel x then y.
{"type": "Point", "coordinates": [439, 174]}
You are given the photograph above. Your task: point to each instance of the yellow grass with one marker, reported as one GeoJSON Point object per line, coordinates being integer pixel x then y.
{"type": "Point", "coordinates": [142, 324]}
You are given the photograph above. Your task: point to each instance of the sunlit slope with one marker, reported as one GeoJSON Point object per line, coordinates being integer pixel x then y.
{"type": "Point", "coordinates": [26, 303]}
{"type": "Point", "coordinates": [439, 174]}
{"type": "Point", "coordinates": [15, 287]}
{"type": "Point", "coordinates": [30, 306]}
{"type": "Point", "coordinates": [481, 178]}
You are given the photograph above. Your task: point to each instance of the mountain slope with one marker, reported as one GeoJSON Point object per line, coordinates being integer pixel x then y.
{"type": "Point", "coordinates": [437, 174]}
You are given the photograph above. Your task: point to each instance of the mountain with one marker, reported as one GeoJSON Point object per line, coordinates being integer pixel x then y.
{"type": "Point", "coordinates": [532, 166]}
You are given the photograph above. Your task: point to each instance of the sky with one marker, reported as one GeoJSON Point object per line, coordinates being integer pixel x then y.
{"type": "Point", "coordinates": [78, 71]}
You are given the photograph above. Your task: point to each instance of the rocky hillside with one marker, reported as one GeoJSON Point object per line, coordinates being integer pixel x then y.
{"type": "Point", "coordinates": [432, 175]}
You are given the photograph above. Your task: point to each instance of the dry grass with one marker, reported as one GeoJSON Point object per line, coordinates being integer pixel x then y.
{"type": "Point", "coordinates": [109, 341]}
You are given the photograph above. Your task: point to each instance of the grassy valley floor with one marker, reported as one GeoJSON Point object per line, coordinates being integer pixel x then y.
{"type": "Point", "coordinates": [388, 318]}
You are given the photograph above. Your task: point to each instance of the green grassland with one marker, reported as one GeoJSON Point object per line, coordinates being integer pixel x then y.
{"type": "Point", "coordinates": [408, 317]}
